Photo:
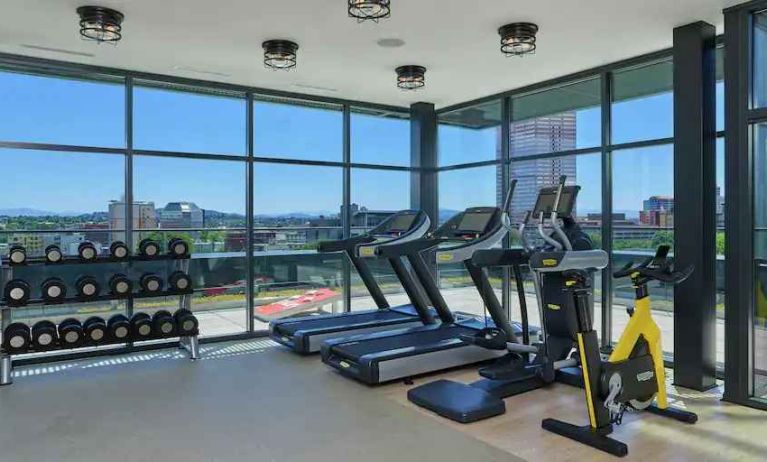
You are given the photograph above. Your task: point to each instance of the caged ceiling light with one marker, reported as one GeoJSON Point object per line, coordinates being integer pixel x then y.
{"type": "Point", "coordinates": [369, 10]}
{"type": "Point", "coordinates": [280, 54]}
{"type": "Point", "coordinates": [100, 24]}
{"type": "Point", "coordinates": [518, 39]}
{"type": "Point", "coordinates": [411, 77]}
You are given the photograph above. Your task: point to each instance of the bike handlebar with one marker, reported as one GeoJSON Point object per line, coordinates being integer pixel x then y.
{"type": "Point", "coordinates": [661, 270]}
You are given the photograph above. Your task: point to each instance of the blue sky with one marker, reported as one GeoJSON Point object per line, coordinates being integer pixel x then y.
{"type": "Point", "coordinates": [46, 110]}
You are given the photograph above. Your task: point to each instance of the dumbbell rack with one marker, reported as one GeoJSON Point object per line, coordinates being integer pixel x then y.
{"type": "Point", "coordinates": [190, 343]}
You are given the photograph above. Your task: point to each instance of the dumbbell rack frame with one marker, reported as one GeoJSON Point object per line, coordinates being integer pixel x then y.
{"type": "Point", "coordinates": [190, 343]}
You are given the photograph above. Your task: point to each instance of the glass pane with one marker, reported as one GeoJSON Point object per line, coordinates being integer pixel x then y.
{"type": "Point", "coordinates": [376, 194]}
{"type": "Point", "coordinates": [643, 103]}
{"type": "Point", "coordinates": [292, 215]}
{"type": "Point", "coordinates": [459, 190]}
{"type": "Point", "coordinates": [190, 193]}
{"type": "Point", "coordinates": [472, 134]}
{"type": "Point", "coordinates": [202, 202]}
{"type": "Point", "coordinates": [759, 73]}
{"type": "Point", "coordinates": [720, 260]}
{"type": "Point", "coordinates": [532, 175]}
{"type": "Point", "coordinates": [171, 120]}
{"type": "Point", "coordinates": [293, 131]}
{"type": "Point", "coordinates": [558, 119]}
{"type": "Point", "coordinates": [380, 138]}
{"type": "Point", "coordinates": [59, 190]}
{"type": "Point", "coordinates": [720, 88]}
{"type": "Point", "coordinates": [760, 255]}
{"type": "Point", "coordinates": [60, 110]}
{"type": "Point", "coordinates": [643, 219]}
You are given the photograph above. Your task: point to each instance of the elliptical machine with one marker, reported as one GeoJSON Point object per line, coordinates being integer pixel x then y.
{"type": "Point", "coordinates": [566, 255]}
{"type": "Point", "coordinates": [633, 378]}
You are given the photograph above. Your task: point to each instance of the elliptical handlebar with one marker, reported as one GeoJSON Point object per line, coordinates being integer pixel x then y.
{"type": "Point", "coordinates": [658, 268]}
{"type": "Point", "coordinates": [555, 218]}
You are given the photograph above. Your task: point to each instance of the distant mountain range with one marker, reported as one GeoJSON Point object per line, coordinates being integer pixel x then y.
{"type": "Point", "coordinates": [28, 212]}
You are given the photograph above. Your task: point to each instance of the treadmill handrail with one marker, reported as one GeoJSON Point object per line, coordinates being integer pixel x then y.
{"type": "Point", "coordinates": [407, 248]}
{"type": "Point", "coordinates": [500, 257]}
{"type": "Point", "coordinates": [369, 249]}
{"type": "Point", "coordinates": [342, 245]}
{"type": "Point", "coordinates": [464, 252]}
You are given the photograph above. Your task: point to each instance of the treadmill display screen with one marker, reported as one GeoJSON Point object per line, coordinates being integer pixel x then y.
{"type": "Point", "coordinates": [401, 223]}
{"type": "Point", "coordinates": [548, 196]}
{"type": "Point", "coordinates": [474, 223]}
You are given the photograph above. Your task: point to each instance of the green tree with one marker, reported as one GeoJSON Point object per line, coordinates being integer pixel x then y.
{"type": "Point", "coordinates": [662, 238]}
{"type": "Point", "coordinates": [720, 243]}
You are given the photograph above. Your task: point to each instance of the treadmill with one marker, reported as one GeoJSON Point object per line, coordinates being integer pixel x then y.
{"type": "Point", "coordinates": [305, 334]}
{"type": "Point", "coordinates": [395, 354]}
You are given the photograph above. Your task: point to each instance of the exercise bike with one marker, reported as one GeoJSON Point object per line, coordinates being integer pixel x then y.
{"type": "Point", "coordinates": [633, 376]}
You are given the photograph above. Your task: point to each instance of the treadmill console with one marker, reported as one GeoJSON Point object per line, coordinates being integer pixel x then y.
{"type": "Point", "coordinates": [396, 224]}
{"type": "Point", "coordinates": [547, 197]}
{"type": "Point", "coordinates": [469, 224]}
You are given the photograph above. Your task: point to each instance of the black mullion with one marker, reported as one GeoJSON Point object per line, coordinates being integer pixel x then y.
{"type": "Point", "coordinates": [607, 208]}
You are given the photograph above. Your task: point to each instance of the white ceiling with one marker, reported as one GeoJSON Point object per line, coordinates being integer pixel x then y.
{"type": "Point", "coordinates": [455, 39]}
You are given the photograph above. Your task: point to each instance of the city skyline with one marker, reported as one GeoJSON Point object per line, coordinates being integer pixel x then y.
{"type": "Point", "coordinates": [178, 121]}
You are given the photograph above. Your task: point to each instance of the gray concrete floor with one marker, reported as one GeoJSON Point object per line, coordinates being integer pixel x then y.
{"type": "Point", "coordinates": [242, 401]}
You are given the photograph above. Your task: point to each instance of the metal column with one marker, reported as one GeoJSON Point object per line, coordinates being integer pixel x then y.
{"type": "Point", "coordinates": [695, 210]}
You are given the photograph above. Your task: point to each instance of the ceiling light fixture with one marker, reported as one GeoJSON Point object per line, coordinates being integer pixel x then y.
{"type": "Point", "coordinates": [280, 54]}
{"type": "Point", "coordinates": [411, 77]}
{"type": "Point", "coordinates": [518, 39]}
{"type": "Point", "coordinates": [369, 10]}
{"type": "Point", "coordinates": [100, 24]}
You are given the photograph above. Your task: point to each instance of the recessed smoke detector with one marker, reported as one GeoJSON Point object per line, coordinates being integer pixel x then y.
{"type": "Point", "coordinates": [390, 43]}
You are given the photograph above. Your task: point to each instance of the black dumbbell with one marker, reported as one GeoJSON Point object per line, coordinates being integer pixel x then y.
{"type": "Point", "coordinates": [120, 285]}
{"type": "Point", "coordinates": [16, 338]}
{"type": "Point", "coordinates": [141, 326]}
{"type": "Point", "coordinates": [186, 322]}
{"type": "Point", "coordinates": [44, 335]}
{"type": "Point", "coordinates": [87, 287]}
{"type": "Point", "coordinates": [119, 250]}
{"type": "Point", "coordinates": [17, 292]}
{"type": "Point", "coordinates": [53, 254]}
{"type": "Point", "coordinates": [54, 290]}
{"type": "Point", "coordinates": [17, 254]}
{"type": "Point", "coordinates": [149, 248]}
{"type": "Point", "coordinates": [178, 248]}
{"type": "Point", "coordinates": [71, 333]}
{"type": "Point", "coordinates": [163, 324]}
{"type": "Point", "coordinates": [95, 330]}
{"type": "Point", "coordinates": [87, 251]}
{"type": "Point", "coordinates": [150, 283]}
{"type": "Point", "coordinates": [119, 328]}
{"type": "Point", "coordinates": [179, 281]}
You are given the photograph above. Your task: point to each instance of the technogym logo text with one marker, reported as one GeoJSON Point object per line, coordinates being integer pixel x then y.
{"type": "Point", "coordinates": [645, 376]}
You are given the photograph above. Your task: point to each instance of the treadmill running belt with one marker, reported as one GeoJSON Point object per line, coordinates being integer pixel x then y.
{"type": "Point", "coordinates": [320, 322]}
{"type": "Point", "coordinates": [354, 350]}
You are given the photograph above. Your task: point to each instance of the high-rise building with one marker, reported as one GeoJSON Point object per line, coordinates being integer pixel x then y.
{"type": "Point", "coordinates": [658, 211]}
{"type": "Point", "coordinates": [719, 208]}
{"type": "Point", "coordinates": [181, 215]}
{"type": "Point", "coordinates": [144, 217]}
{"type": "Point", "coordinates": [538, 136]}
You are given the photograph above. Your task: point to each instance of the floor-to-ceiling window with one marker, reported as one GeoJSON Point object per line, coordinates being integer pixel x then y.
{"type": "Point", "coordinates": [229, 170]}
{"type": "Point", "coordinates": [380, 186]}
{"type": "Point", "coordinates": [61, 196]}
{"type": "Point", "coordinates": [556, 132]}
{"type": "Point", "coordinates": [470, 155]}
{"type": "Point", "coordinates": [642, 184]}
{"type": "Point", "coordinates": [296, 206]}
{"type": "Point", "coordinates": [189, 182]}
